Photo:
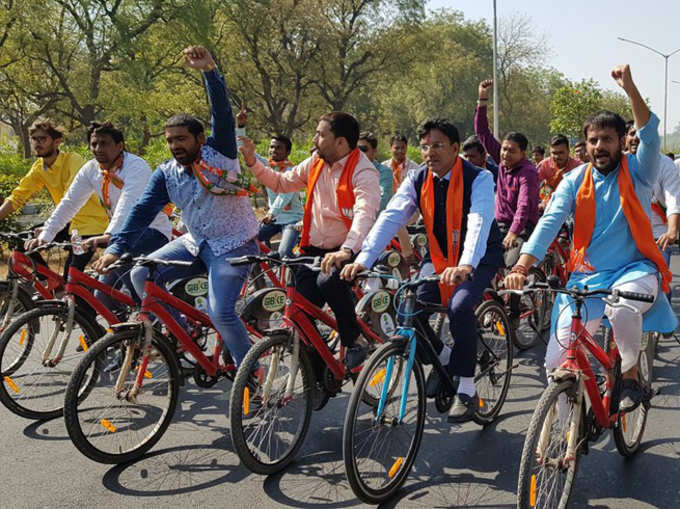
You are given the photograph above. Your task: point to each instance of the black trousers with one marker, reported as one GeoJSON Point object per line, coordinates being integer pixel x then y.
{"type": "Point", "coordinates": [462, 320]}
{"type": "Point", "coordinates": [320, 289]}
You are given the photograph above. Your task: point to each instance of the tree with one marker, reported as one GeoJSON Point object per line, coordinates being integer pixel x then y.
{"type": "Point", "coordinates": [572, 104]}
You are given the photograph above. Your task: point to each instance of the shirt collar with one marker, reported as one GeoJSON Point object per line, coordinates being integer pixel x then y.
{"type": "Point", "coordinates": [56, 164]}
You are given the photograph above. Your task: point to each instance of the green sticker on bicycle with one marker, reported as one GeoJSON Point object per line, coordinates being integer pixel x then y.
{"type": "Point", "coordinates": [274, 301]}
{"type": "Point", "coordinates": [380, 301]}
{"type": "Point", "coordinates": [196, 287]}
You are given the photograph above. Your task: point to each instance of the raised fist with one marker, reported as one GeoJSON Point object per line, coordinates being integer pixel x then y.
{"type": "Point", "coordinates": [484, 88]}
{"type": "Point", "coordinates": [199, 58]}
{"type": "Point", "coordinates": [622, 76]}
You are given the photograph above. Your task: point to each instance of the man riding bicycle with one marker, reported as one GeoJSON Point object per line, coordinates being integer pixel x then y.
{"type": "Point", "coordinates": [201, 181]}
{"type": "Point", "coordinates": [613, 245]}
{"type": "Point", "coordinates": [456, 200]}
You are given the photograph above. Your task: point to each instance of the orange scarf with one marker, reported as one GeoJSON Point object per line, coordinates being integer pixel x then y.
{"type": "Point", "coordinates": [638, 222]}
{"type": "Point", "coordinates": [397, 170]}
{"type": "Point", "coordinates": [108, 177]}
{"type": "Point", "coordinates": [344, 193]}
{"type": "Point", "coordinates": [660, 211]}
{"type": "Point", "coordinates": [454, 220]}
{"type": "Point", "coordinates": [280, 165]}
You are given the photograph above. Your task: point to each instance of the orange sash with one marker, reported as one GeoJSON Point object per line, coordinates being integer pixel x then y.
{"type": "Point", "coordinates": [344, 193]}
{"type": "Point", "coordinates": [638, 222]}
{"type": "Point", "coordinates": [108, 177]}
{"type": "Point", "coordinates": [454, 220]}
{"type": "Point", "coordinates": [659, 210]}
{"type": "Point", "coordinates": [397, 170]}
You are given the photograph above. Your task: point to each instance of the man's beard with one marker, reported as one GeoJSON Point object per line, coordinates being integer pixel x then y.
{"type": "Point", "coordinates": [189, 158]}
{"type": "Point", "coordinates": [615, 159]}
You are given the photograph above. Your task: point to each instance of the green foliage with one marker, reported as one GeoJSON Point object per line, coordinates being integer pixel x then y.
{"type": "Point", "coordinates": [12, 164]}
{"type": "Point", "coordinates": [7, 184]}
{"type": "Point", "coordinates": [572, 104]}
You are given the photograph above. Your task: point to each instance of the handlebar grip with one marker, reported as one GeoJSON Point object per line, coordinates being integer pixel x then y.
{"type": "Point", "coordinates": [643, 297]}
{"type": "Point", "coordinates": [240, 260]}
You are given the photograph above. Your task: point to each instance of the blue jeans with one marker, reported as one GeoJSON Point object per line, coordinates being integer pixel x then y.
{"type": "Point", "coordinates": [289, 236]}
{"type": "Point", "coordinates": [224, 286]}
{"type": "Point", "coordinates": [150, 240]}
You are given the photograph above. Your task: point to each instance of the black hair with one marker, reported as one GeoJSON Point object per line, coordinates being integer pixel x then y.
{"type": "Point", "coordinates": [285, 140]}
{"type": "Point", "coordinates": [441, 124]}
{"type": "Point", "coordinates": [559, 139]}
{"type": "Point", "coordinates": [629, 124]}
{"type": "Point", "coordinates": [105, 128]}
{"type": "Point", "coordinates": [580, 143]}
{"type": "Point", "coordinates": [671, 155]}
{"type": "Point", "coordinates": [398, 137]}
{"type": "Point", "coordinates": [193, 125]}
{"type": "Point", "coordinates": [472, 142]}
{"type": "Point", "coordinates": [370, 138]}
{"type": "Point", "coordinates": [54, 131]}
{"type": "Point", "coordinates": [343, 125]}
{"type": "Point", "coordinates": [606, 119]}
{"type": "Point", "coordinates": [522, 141]}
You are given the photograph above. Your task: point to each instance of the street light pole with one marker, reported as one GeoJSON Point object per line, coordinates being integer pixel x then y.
{"type": "Point", "coordinates": [495, 72]}
{"type": "Point", "coordinates": [665, 56]}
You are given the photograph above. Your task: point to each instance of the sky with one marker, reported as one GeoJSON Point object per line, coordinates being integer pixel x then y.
{"type": "Point", "coordinates": [582, 36]}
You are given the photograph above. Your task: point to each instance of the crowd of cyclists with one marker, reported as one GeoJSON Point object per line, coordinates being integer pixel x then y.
{"type": "Point", "coordinates": [489, 214]}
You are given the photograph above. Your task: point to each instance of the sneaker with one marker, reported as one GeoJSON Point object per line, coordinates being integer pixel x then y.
{"type": "Point", "coordinates": [355, 356]}
{"type": "Point", "coordinates": [631, 395]}
{"type": "Point", "coordinates": [464, 407]}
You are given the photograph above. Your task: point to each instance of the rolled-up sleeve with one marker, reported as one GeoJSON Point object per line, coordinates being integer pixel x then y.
{"type": "Point", "coordinates": [479, 219]}
{"type": "Point", "coordinates": [400, 208]}
{"type": "Point", "coordinates": [528, 192]}
{"type": "Point", "coordinates": [366, 182]}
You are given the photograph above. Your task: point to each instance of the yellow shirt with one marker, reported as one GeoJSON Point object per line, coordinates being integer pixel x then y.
{"type": "Point", "coordinates": [90, 220]}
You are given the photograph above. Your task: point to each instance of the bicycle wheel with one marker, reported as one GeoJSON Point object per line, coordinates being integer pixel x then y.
{"type": "Point", "coordinates": [630, 426]}
{"type": "Point", "coordinates": [494, 360]}
{"type": "Point", "coordinates": [269, 420]}
{"type": "Point", "coordinates": [22, 304]}
{"type": "Point", "coordinates": [113, 424]}
{"type": "Point", "coordinates": [33, 386]}
{"type": "Point", "coordinates": [379, 452]}
{"type": "Point", "coordinates": [533, 311]}
{"type": "Point", "coordinates": [546, 475]}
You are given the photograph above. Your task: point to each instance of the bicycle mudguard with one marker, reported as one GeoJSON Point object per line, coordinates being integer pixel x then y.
{"type": "Point", "coordinates": [491, 294]}
{"type": "Point", "coordinates": [262, 306]}
{"type": "Point", "coordinates": [117, 327]}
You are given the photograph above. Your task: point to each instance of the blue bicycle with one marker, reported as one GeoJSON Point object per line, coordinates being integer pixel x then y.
{"type": "Point", "coordinates": [380, 442]}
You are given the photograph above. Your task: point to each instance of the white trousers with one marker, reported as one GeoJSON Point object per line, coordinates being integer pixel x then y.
{"type": "Point", "coordinates": [626, 325]}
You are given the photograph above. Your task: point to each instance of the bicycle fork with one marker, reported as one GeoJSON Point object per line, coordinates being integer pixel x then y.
{"type": "Point", "coordinates": [11, 305]}
{"type": "Point", "coordinates": [70, 312]}
{"type": "Point", "coordinates": [405, 386]}
{"type": "Point", "coordinates": [132, 393]}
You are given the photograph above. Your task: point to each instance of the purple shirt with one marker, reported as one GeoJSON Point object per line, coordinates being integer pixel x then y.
{"type": "Point", "coordinates": [516, 189]}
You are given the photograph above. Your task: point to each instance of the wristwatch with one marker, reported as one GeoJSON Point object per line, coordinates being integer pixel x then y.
{"type": "Point", "coordinates": [347, 250]}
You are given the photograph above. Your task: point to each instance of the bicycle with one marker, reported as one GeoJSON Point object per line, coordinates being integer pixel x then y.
{"type": "Point", "coordinates": [34, 384]}
{"type": "Point", "coordinates": [136, 375]}
{"type": "Point", "coordinates": [381, 441]}
{"type": "Point", "coordinates": [25, 279]}
{"type": "Point", "coordinates": [298, 371]}
{"type": "Point", "coordinates": [560, 427]}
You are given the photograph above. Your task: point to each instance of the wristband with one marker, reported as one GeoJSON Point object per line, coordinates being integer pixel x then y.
{"type": "Point", "coordinates": [520, 269]}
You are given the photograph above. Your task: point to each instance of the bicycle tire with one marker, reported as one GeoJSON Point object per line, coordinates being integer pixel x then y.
{"type": "Point", "coordinates": [280, 343]}
{"type": "Point", "coordinates": [74, 404]}
{"type": "Point", "coordinates": [528, 492]}
{"type": "Point", "coordinates": [628, 444]}
{"type": "Point", "coordinates": [28, 323]}
{"type": "Point", "coordinates": [402, 465]}
{"type": "Point", "coordinates": [533, 325]}
{"type": "Point", "coordinates": [494, 360]}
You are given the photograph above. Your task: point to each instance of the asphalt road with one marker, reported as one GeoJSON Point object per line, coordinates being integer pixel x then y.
{"type": "Point", "coordinates": [458, 466]}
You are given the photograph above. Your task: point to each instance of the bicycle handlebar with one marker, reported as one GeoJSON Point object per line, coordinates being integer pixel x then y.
{"type": "Point", "coordinates": [578, 293]}
{"type": "Point", "coordinates": [314, 261]}
{"type": "Point", "coordinates": [44, 247]}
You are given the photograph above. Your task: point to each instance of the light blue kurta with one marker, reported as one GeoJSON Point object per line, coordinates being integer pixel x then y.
{"type": "Point", "coordinates": [612, 250]}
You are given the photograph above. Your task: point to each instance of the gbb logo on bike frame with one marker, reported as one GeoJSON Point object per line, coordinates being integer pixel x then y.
{"type": "Point", "coordinates": [196, 287]}
{"type": "Point", "coordinates": [274, 300]}
{"type": "Point", "coordinates": [380, 301]}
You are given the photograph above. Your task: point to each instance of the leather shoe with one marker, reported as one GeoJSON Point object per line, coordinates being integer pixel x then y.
{"type": "Point", "coordinates": [355, 356]}
{"type": "Point", "coordinates": [464, 407]}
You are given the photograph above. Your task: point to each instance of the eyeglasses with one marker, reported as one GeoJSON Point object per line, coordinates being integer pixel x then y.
{"type": "Point", "coordinates": [363, 148]}
{"type": "Point", "coordinates": [437, 145]}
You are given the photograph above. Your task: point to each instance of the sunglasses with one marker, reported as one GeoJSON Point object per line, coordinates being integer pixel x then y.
{"type": "Point", "coordinates": [363, 148]}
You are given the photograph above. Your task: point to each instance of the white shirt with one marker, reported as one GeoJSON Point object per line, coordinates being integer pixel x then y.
{"type": "Point", "coordinates": [666, 192]}
{"type": "Point", "coordinates": [135, 173]}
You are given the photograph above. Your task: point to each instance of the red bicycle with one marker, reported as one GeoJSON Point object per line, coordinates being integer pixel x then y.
{"type": "Point", "coordinates": [25, 278]}
{"type": "Point", "coordinates": [43, 345]}
{"type": "Point", "coordinates": [578, 405]}
{"type": "Point", "coordinates": [132, 375]}
{"type": "Point", "coordinates": [298, 372]}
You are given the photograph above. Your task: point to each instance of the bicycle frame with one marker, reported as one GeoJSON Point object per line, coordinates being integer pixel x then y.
{"type": "Point", "coordinates": [559, 267]}
{"type": "Point", "coordinates": [296, 315]}
{"type": "Point", "coordinates": [28, 270]}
